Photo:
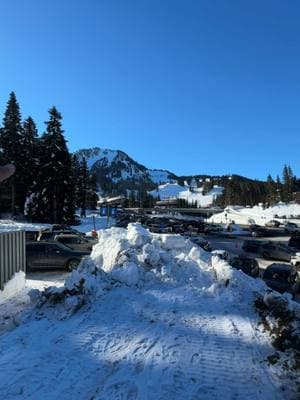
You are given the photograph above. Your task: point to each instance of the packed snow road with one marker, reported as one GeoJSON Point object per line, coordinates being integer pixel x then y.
{"type": "Point", "coordinates": [145, 317]}
{"type": "Point", "coordinates": [160, 343]}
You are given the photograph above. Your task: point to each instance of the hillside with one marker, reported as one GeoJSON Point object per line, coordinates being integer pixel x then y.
{"type": "Point", "coordinates": [116, 172]}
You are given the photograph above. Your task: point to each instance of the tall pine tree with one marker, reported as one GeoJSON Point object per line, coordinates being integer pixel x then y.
{"type": "Point", "coordinates": [54, 201]}
{"type": "Point", "coordinates": [288, 181]}
{"type": "Point", "coordinates": [11, 137]}
{"type": "Point", "coordinates": [31, 155]}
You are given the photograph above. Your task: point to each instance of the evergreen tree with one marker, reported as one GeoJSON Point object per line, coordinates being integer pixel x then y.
{"type": "Point", "coordinates": [11, 137]}
{"type": "Point", "coordinates": [31, 155]}
{"type": "Point", "coordinates": [83, 186]}
{"type": "Point", "coordinates": [288, 180]}
{"type": "Point", "coordinates": [271, 191]}
{"type": "Point", "coordinates": [54, 202]}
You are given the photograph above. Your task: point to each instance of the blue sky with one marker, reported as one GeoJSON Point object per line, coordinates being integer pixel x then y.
{"type": "Point", "coordinates": [208, 86]}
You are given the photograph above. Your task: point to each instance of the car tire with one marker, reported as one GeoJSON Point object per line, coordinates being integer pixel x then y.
{"type": "Point", "coordinates": [72, 264]}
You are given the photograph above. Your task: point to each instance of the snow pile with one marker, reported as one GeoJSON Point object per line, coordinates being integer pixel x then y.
{"type": "Point", "coordinates": [13, 286]}
{"type": "Point", "coordinates": [135, 257]}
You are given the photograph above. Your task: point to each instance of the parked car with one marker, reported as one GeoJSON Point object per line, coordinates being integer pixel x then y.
{"type": "Point", "coordinates": [160, 228]}
{"type": "Point", "coordinates": [272, 224]}
{"type": "Point", "coordinates": [213, 228]}
{"type": "Point", "coordinates": [294, 242]}
{"type": "Point", "coordinates": [31, 236]}
{"type": "Point", "coordinates": [47, 234]}
{"type": "Point", "coordinates": [291, 227]}
{"type": "Point", "coordinates": [75, 242]}
{"type": "Point", "coordinates": [252, 246]}
{"type": "Point", "coordinates": [52, 255]}
{"type": "Point", "coordinates": [178, 228]}
{"type": "Point", "coordinates": [277, 251]}
{"type": "Point", "coordinates": [282, 278]}
{"type": "Point", "coordinates": [246, 264]}
{"type": "Point", "coordinates": [259, 232]}
{"type": "Point", "coordinates": [204, 244]}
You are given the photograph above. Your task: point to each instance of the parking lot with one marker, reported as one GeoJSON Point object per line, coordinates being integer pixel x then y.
{"type": "Point", "coordinates": [233, 245]}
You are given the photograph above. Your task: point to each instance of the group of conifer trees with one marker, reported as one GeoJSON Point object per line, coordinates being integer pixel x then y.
{"type": "Point", "coordinates": [241, 191]}
{"type": "Point", "coordinates": [49, 183]}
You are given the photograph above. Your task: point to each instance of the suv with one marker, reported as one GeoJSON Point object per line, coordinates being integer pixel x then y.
{"type": "Point", "coordinates": [248, 265]}
{"type": "Point", "coordinates": [291, 227]}
{"type": "Point", "coordinates": [283, 278]}
{"type": "Point", "coordinates": [52, 255]}
{"type": "Point", "coordinates": [252, 246]}
{"type": "Point", "coordinates": [204, 244]}
{"type": "Point", "coordinates": [75, 242]}
{"type": "Point", "coordinates": [277, 251]}
{"type": "Point", "coordinates": [294, 242]}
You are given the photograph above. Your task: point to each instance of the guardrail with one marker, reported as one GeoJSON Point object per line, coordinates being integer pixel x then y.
{"type": "Point", "coordinates": [12, 255]}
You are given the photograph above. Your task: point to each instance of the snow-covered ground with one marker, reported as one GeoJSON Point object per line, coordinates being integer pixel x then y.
{"type": "Point", "coordinates": [257, 215]}
{"type": "Point", "coordinates": [147, 316]}
{"type": "Point", "coordinates": [86, 225]}
{"type": "Point", "coordinates": [174, 190]}
{"type": "Point", "coordinates": [7, 225]}
{"type": "Point", "coordinates": [93, 217]}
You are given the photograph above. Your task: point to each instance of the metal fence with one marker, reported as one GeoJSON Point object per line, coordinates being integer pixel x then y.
{"type": "Point", "coordinates": [12, 255]}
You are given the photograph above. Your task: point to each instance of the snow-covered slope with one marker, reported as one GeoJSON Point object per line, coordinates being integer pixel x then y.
{"type": "Point", "coordinates": [173, 190]}
{"type": "Point", "coordinates": [118, 166]}
{"type": "Point", "coordinates": [256, 214]}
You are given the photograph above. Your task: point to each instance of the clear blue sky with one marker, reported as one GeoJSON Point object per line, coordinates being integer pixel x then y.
{"type": "Point", "coordinates": [202, 86]}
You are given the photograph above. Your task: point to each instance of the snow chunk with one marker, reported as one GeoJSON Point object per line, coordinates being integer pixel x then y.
{"type": "Point", "coordinates": [128, 274]}
{"type": "Point", "coordinates": [137, 235]}
{"type": "Point", "coordinates": [170, 242]}
{"type": "Point", "coordinates": [12, 287]}
{"type": "Point", "coordinates": [111, 243]}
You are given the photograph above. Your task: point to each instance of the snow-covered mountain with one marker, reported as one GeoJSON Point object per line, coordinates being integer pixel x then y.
{"type": "Point", "coordinates": [114, 167]}
{"type": "Point", "coordinates": [194, 196]}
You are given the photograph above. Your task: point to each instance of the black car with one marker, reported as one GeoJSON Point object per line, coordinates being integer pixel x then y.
{"type": "Point", "coordinates": [277, 251]}
{"type": "Point", "coordinates": [258, 231]}
{"type": "Point", "coordinates": [282, 278]}
{"type": "Point", "coordinates": [272, 224]}
{"type": "Point", "coordinates": [52, 255]}
{"type": "Point", "coordinates": [294, 242]}
{"type": "Point", "coordinates": [204, 244]}
{"type": "Point", "coordinates": [246, 264]}
{"type": "Point", "coordinates": [252, 246]}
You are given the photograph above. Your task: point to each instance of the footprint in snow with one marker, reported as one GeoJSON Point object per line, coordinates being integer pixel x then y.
{"type": "Point", "coordinates": [125, 390]}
